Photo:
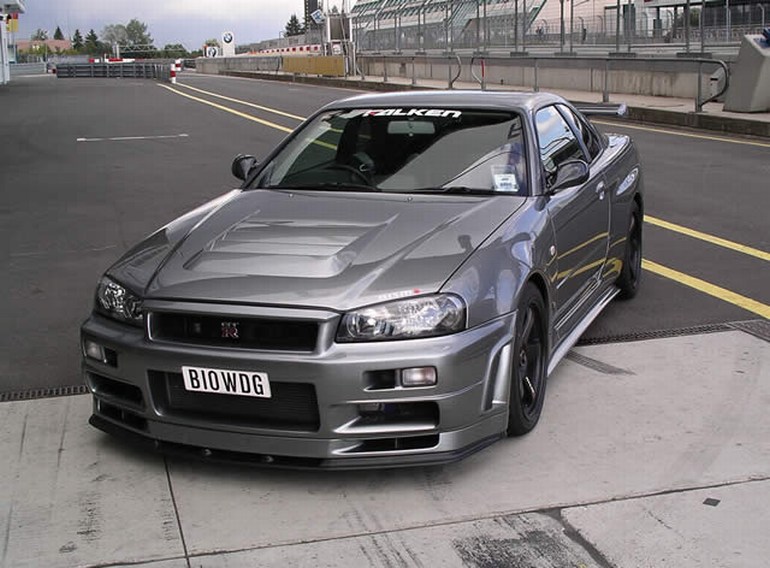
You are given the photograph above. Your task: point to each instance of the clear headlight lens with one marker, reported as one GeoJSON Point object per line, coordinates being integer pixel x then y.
{"type": "Point", "coordinates": [117, 302]}
{"type": "Point", "coordinates": [425, 316]}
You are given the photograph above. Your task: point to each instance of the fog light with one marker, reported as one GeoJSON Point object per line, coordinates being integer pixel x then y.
{"type": "Point", "coordinates": [418, 377]}
{"type": "Point", "coordinates": [371, 407]}
{"type": "Point", "coordinates": [94, 351]}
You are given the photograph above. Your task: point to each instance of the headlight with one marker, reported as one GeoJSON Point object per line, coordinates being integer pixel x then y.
{"type": "Point", "coordinates": [426, 316]}
{"type": "Point", "coordinates": [117, 302]}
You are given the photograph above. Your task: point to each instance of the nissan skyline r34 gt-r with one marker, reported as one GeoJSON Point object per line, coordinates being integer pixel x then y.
{"type": "Point", "coordinates": [391, 286]}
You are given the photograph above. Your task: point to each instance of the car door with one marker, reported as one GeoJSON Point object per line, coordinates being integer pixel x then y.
{"type": "Point", "coordinates": [580, 215]}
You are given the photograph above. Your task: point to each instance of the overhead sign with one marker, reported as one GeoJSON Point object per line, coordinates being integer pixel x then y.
{"type": "Point", "coordinates": [228, 44]}
{"type": "Point", "coordinates": [318, 17]}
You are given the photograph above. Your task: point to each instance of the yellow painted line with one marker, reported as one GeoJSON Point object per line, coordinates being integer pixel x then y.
{"type": "Point", "coordinates": [707, 288]}
{"type": "Point", "coordinates": [708, 238]}
{"type": "Point", "coordinates": [246, 103]}
{"type": "Point", "coordinates": [231, 111]}
{"type": "Point", "coordinates": [685, 134]}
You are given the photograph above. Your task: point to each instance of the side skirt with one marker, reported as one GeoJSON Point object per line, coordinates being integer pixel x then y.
{"type": "Point", "coordinates": [568, 342]}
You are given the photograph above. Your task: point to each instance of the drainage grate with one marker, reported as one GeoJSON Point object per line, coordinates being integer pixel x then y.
{"type": "Point", "coordinates": [33, 394]}
{"type": "Point", "coordinates": [758, 328]}
{"type": "Point", "coordinates": [656, 334]}
{"type": "Point", "coordinates": [596, 365]}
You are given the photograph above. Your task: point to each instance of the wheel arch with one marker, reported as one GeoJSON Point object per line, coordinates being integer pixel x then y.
{"type": "Point", "coordinates": [539, 281]}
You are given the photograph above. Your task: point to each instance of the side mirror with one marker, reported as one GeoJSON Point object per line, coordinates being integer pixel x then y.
{"type": "Point", "coordinates": [243, 165]}
{"type": "Point", "coordinates": [570, 174]}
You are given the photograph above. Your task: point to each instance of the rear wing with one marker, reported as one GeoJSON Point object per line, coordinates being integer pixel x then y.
{"type": "Point", "coordinates": [603, 109]}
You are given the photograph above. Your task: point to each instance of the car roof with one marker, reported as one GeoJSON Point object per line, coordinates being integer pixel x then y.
{"type": "Point", "coordinates": [499, 100]}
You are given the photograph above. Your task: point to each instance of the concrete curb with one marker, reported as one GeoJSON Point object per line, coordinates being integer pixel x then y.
{"type": "Point", "coordinates": [699, 121]}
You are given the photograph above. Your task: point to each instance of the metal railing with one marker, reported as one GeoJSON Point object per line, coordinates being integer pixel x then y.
{"type": "Point", "coordinates": [485, 24]}
{"type": "Point", "coordinates": [160, 71]}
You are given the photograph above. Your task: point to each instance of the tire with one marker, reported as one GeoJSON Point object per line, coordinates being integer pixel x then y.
{"type": "Point", "coordinates": [631, 272]}
{"type": "Point", "coordinates": [528, 363]}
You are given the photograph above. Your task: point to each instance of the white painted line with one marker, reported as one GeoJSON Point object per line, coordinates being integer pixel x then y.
{"type": "Point", "coordinates": [125, 138]}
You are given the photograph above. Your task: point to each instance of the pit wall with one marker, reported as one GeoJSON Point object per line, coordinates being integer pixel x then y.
{"type": "Point", "coordinates": [670, 78]}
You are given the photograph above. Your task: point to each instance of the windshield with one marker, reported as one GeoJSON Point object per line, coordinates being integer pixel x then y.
{"type": "Point", "coordinates": [408, 150]}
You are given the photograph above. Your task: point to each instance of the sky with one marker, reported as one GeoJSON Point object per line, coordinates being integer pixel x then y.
{"type": "Point", "coordinates": [189, 22]}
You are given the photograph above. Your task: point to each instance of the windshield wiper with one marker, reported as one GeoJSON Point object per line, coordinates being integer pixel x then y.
{"type": "Point", "coordinates": [459, 189]}
{"type": "Point", "coordinates": [328, 186]}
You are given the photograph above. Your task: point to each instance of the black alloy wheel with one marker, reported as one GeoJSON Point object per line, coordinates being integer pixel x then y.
{"type": "Point", "coordinates": [528, 365]}
{"type": "Point", "coordinates": [631, 272]}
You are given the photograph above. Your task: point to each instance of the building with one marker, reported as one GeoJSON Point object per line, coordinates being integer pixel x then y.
{"type": "Point", "coordinates": [7, 8]}
{"type": "Point", "coordinates": [44, 47]}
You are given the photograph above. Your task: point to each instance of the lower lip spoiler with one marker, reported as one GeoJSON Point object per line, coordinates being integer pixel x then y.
{"type": "Point", "coordinates": [286, 462]}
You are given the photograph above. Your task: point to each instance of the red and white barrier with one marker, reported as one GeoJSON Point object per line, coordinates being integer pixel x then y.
{"type": "Point", "coordinates": [311, 49]}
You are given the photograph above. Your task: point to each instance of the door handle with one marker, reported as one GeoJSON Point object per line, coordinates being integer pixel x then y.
{"type": "Point", "coordinates": [600, 190]}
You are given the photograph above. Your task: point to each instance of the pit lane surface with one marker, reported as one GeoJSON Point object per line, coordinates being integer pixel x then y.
{"type": "Point", "coordinates": [94, 165]}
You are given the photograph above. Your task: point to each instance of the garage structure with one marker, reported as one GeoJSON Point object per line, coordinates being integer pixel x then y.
{"type": "Point", "coordinates": [7, 8]}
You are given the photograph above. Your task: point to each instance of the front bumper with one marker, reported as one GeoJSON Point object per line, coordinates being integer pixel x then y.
{"type": "Point", "coordinates": [330, 423]}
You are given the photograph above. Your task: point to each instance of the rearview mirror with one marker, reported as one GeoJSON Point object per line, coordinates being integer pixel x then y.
{"type": "Point", "coordinates": [570, 174]}
{"type": "Point", "coordinates": [243, 165]}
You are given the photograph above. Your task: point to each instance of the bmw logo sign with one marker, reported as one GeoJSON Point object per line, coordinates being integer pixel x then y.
{"type": "Point", "coordinates": [227, 37]}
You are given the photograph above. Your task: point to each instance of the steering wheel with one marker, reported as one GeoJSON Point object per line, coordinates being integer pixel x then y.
{"type": "Point", "coordinates": [359, 175]}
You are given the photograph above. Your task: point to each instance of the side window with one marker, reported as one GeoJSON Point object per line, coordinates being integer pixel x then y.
{"type": "Point", "coordinates": [589, 137]}
{"type": "Point", "coordinates": [557, 142]}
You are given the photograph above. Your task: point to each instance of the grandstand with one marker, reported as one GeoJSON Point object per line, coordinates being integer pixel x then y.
{"type": "Point", "coordinates": [457, 24]}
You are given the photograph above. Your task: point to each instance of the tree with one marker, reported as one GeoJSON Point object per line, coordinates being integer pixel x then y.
{"type": "Point", "coordinates": [77, 41]}
{"type": "Point", "coordinates": [293, 27]}
{"type": "Point", "coordinates": [92, 45]}
{"type": "Point", "coordinates": [115, 33]}
{"type": "Point", "coordinates": [174, 51]}
{"type": "Point", "coordinates": [137, 33]}
{"type": "Point", "coordinates": [211, 42]}
{"type": "Point", "coordinates": [57, 34]}
{"type": "Point", "coordinates": [40, 35]}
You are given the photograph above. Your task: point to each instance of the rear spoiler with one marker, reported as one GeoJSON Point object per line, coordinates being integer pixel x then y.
{"type": "Point", "coordinates": [603, 109]}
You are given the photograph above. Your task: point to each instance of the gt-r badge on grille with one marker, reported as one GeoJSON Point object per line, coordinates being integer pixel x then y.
{"type": "Point", "coordinates": [230, 330]}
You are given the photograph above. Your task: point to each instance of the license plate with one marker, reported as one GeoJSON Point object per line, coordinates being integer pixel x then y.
{"type": "Point", "coordinates": [220, 381]}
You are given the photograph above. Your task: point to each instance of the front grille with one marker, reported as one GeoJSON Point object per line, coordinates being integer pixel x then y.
{"type": "Point", "coordinates": [293, 406]}
{"type": "Point", "coordinates": [233, 331]}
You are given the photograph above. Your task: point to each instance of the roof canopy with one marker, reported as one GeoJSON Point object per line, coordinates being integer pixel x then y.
{"type": "Point", "coordinates": [12, 6]}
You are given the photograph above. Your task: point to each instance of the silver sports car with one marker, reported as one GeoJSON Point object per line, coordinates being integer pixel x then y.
{"type": "Point", "coordinates": [391, 286]}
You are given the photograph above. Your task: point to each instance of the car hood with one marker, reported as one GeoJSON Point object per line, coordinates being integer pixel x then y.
{"type": "Point", "coordinates": [315, 249]}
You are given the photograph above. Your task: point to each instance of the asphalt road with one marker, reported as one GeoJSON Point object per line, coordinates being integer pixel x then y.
{"type": "Point", "coordinates": [94, 165]}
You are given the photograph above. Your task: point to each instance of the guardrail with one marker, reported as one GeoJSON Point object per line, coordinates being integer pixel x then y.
{"type": "Point", "coordinates": [160, 71]}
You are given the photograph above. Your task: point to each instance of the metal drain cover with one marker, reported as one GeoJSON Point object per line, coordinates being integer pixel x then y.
{"type": "Point", "coordinates": [33, 394]}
